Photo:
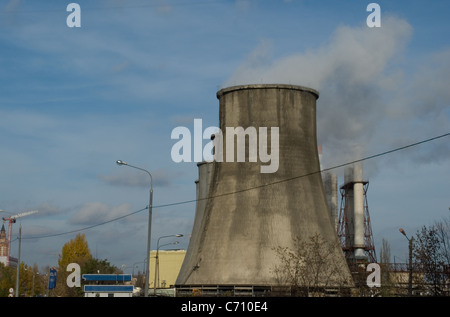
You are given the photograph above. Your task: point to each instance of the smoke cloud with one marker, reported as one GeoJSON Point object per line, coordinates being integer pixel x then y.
{"type": "Point", "coordinates": [371, 99]}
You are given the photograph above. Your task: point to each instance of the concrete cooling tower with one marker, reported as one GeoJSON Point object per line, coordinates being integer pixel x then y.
{"type": "Point", "coordinates": [243, 213]}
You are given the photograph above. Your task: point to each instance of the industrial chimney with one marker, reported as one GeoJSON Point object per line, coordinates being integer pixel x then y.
{"type": "Point", "coordinates": [249, 213]}
{"type": "Point", "coordinates": [354, 228]}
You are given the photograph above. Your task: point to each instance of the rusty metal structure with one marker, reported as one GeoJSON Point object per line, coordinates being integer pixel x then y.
{"type": "Point", "coordinates": [354, 226]}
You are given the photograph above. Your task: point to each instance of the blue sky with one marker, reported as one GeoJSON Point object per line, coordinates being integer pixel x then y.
{"type": "Point", "coordinates": [75, 100]}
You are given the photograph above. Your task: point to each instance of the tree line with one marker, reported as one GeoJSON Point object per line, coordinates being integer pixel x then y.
{"type": "Point", "coordinates": [308, 268]}
{"type": "Point", "coordinates": [32, 282]}
{"type": "Point", "coordinates": [430, 257]}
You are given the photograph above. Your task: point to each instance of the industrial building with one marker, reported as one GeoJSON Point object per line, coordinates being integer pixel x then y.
{"type": "Point", "coordinates": [243, 215]}
{"type": "Point", "coordinates": [164, 268]}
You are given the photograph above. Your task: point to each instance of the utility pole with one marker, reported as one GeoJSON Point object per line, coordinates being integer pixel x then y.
{"type": "Point", "coordinates": [410, 267]}
{"type": "Point", "coordinates": [18, 262]}
{"type": "Point", "coordinates": [410, 240]}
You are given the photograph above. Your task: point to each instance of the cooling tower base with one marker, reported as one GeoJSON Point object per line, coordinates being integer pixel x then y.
{"type": "Point", "coordinates": [255, 291]}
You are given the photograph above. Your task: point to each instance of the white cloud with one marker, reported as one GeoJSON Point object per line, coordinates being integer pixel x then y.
{"type": "Point", "coordinates": [97, 212]}
{"type": "Point", "coordinates": [161, 177]}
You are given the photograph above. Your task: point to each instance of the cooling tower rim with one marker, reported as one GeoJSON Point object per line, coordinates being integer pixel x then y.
{"type": "Point", "coordinates": [226, 90]}
{"type": "Point", "coordinates": [204, 162]}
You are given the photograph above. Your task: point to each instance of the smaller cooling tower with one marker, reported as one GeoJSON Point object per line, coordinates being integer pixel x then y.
{"type": "Point", "coordinates": [330, 185]}
{"type": "Point", "coordinates": [205, 172]}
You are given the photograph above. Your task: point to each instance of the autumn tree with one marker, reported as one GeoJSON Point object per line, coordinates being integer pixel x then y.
{"type": "Point", "coordinates": [77, 251]}
{"type": "Point", "coordinates": [74, 251]}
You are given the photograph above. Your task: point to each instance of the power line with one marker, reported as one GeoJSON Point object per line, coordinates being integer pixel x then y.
{"type": "Point", "coordinates": [251, 188]}
{"type": "Point", "coordinates": [108, 7]}
{"type": "Point", "coordinates": [311, 173]}
{"type": "Point", "coordinates": [86, 228]}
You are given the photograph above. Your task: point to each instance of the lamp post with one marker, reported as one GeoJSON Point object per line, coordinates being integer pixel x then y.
{"type": "Point", "coordinates": [149, 221]}
{"type": "Point", "coordinates": [156, 258]}
{"type": "Point", "coordinates": [18, 262]}
{"type": "Point", "coordinates": [134, 267]}
{"type": "Point", "coordinates": [34, 276]}
{"type": "Point", "coordinates": [410, 240]}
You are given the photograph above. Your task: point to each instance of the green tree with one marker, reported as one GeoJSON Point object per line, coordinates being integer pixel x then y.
{"type": "Point", "coordinates": [93, 266]}
{"type": "Point", "coordinates": [7, 279]}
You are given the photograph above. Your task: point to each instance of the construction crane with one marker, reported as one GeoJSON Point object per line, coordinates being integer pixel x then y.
{"type": "Point", "coordinates": [11, 220]}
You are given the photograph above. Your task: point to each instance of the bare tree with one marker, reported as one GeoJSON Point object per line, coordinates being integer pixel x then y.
{"type": "Point", "coordinates": [443, 233]}
{"type": "Point", "coordinates": [430, 256]}
{"type": "Point", "coordinates": [387, 282]}
{"type": "Point", "coordinates": [385, 253]}
{"type": "Point", "coordinates": [309, 268]}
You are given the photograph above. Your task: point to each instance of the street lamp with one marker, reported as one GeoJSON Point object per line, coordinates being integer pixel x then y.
{"type": "Point", "coordinates": [156, 258]}
{"type": "Point", "coordinates": [149, 221]}
{"type": "Point", "coordinates": [410, 240]}
{"type": "Point", "coordinates": [18, 262]}
{"type": "Point", "coordinates": [34, 276]}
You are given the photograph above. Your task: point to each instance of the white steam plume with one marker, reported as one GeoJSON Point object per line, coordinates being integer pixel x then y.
{"type": "Point", "coordinates": [366, 99]}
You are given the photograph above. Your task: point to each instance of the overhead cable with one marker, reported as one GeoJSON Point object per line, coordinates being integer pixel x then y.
{"type": "Point", "coordinates": [251, 188]}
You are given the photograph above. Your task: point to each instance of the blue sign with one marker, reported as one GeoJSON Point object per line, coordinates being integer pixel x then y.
{"type": "Point", "coordinates": [52, 278]}
{"type": "Point", "coordinates": [109, 288]}
{"type": "Point", "coordinates": [107, 277]}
